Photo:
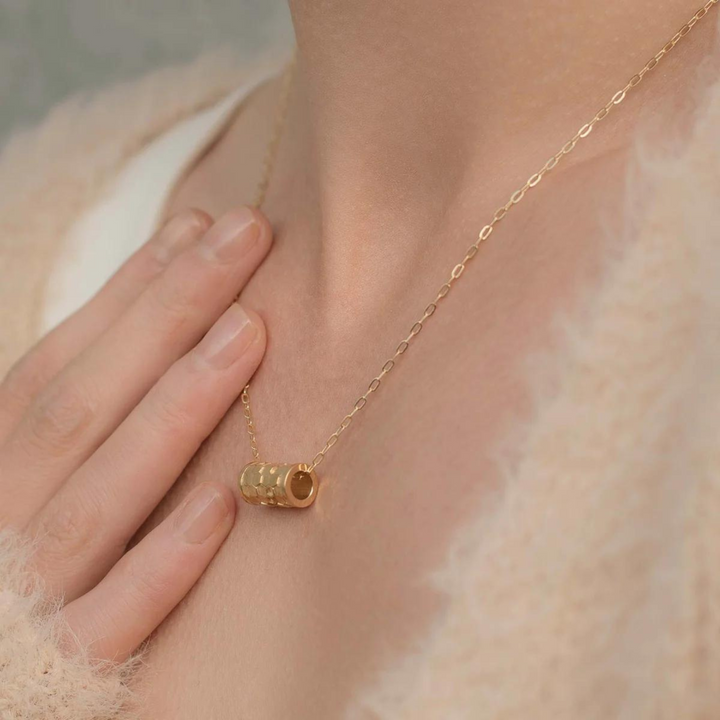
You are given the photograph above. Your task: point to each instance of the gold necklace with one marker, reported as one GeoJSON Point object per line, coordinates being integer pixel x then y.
{"type": "Point", "coordinates": [296, 485]}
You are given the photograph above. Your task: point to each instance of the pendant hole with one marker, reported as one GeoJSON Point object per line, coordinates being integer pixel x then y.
{"type": "Point", "coordinates": [301, 485]}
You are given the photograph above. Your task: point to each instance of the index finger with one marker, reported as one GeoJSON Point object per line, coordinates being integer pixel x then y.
{"type": "Point", "coordinates": [65, 342]}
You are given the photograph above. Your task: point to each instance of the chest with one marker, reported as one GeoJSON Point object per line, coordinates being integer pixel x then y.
{"type": "Point", "coordinates": [301, 609]}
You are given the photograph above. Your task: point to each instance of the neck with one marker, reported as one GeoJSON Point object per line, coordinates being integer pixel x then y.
{"type": "Point", "coordinates": [405, 117]}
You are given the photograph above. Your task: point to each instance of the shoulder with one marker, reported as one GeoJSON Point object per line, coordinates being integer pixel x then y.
{"type": "Point", "coordinates": [51, 173]}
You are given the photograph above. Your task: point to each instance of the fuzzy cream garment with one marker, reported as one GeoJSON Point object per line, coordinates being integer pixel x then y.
{"type": "Point", "coordinates": [37, 679]}
{"type": "Point", "coordinates": [590, 588]}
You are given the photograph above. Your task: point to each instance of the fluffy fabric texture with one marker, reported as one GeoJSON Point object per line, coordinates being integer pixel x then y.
{"type": "Point", "coordinates": [591, 587]}
{"type": "Point", "coordinates": [38, 680]}
{"type": "Point", "coordinates": [48, 177]}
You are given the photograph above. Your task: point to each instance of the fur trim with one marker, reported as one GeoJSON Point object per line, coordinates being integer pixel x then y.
{"type": "Point", "coordinates": [38, 680]}
{"type": "Point", "coordinates": [66, 165]}
{"type": "Point", "coordinates": [590, 589]}
{"type": "Point", "coordinates": [48, 177]}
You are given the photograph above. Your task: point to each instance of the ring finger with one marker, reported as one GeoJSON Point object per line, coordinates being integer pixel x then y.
{"type": "Point", "coordinates": [86, 402]}
{"type": "Point", "coordinates": [118, 614]}
{"type": "Point", "coordinates": [83, 530]}
{"type": "Point", "coordinates": [66, 341]}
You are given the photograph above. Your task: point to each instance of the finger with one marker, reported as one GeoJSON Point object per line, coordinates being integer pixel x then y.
{"type": "Point", "coordinates": [91, 396]}
{"type": "Point", "coordinates": [149, 581]}
{"type": "Point", "coordinates": [73, 335]}
{"type": "Point", "coordinates": [84, 529]}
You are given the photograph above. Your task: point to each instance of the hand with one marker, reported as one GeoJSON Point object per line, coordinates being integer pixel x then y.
{"type": "Point", "coordinates": [98, 421]}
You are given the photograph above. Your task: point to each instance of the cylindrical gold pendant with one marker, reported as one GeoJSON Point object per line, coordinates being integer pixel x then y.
{"type": "Point", "coordinates": [293, 486]}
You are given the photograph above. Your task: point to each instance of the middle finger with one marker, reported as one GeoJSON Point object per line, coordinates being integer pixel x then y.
{"type": "Point", "coordinates": [84, 529]}
{"type": "Point", "coordinates": [94, 393]}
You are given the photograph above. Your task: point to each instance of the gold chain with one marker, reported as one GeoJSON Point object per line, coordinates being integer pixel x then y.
{"type": "Point", "coordinates": [483, 235]}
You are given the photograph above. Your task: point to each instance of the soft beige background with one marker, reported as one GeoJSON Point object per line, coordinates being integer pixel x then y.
{"type": "Point", "coordinates": [50, 49]}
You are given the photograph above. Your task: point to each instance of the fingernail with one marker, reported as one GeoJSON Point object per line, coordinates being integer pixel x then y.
{"type": "Point", "coordinates": [228, 339]}
{"type": "Point", "coordinates": [179, 232]}
{"type": "Point", "coordinates": [232, 236]}
{"type": "Point", "coordinates": [201, 515]}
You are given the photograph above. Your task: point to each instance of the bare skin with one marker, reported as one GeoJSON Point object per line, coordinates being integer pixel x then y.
{"type": "Point", "coordinates": [98, 420]}
{"type": "Point", "coordinates": [405, 132]}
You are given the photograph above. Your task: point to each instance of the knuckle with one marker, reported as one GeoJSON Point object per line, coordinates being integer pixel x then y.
{"type": "Point", "coordinates": [60, 416]}
{"type": "Point", "coordinates": [174, 302]}
{"type": "Point", "coordinates": [65, 534]}
{"type": "Point", "coordinates": [148, 589]}
{"type": "Point", "coordinates": [26, 377]}
{"type": "Point", "coordinates": [168, 414]}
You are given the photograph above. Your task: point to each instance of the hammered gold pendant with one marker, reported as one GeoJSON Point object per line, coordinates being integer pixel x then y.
{"type": "Point", "coordinates": [291, 486]}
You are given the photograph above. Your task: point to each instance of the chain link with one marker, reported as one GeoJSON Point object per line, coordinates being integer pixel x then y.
{"type": "Point", "coordinates": [473, 250]}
